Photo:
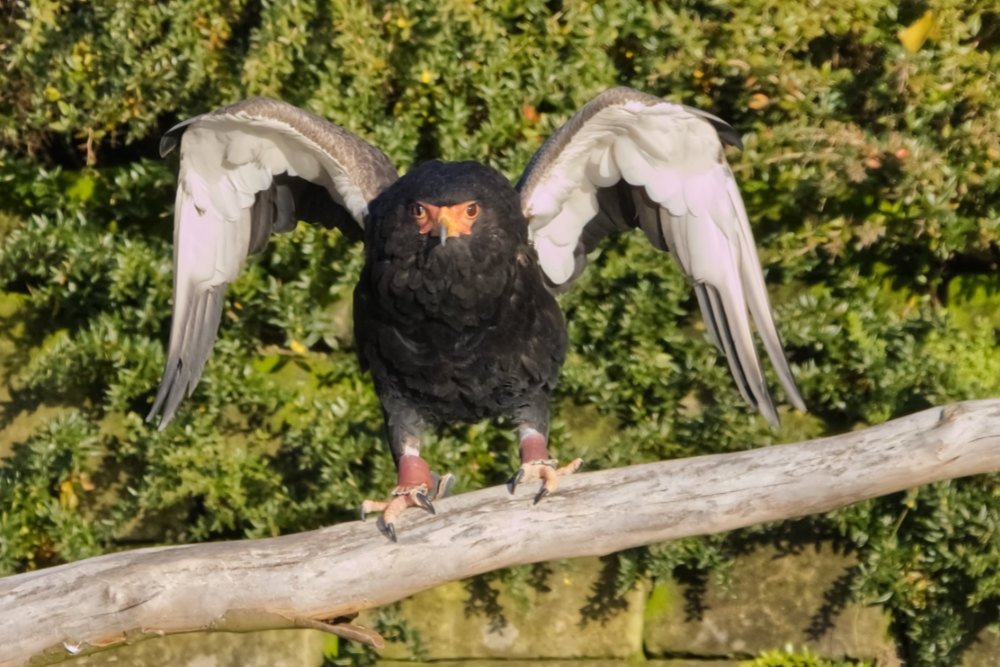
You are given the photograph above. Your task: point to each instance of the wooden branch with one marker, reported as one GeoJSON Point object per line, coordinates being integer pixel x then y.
{"type": "Point", "coordinates": [313, 579]}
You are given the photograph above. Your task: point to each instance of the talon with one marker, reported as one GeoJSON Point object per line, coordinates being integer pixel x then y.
{"type": "Point", "coordinates": [444, 485]}
{"type": "Point", "coordinates": [548, 471]}
{"type": "Point", "coordinates": [416, 486]}
{"type": "Point", "coordinates": [424, 501]}
{"type": "Point", "coordinates": [542, 492]}
{"type": "Point", "coordinates": [550, 481]}
{"type": "Point", "coordinates": [515, 480]}
{"type": "Point", "coordinates": [388, 529]}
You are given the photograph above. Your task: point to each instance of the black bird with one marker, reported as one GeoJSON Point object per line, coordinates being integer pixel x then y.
{"type": "Point", "coordinates": [455, 316]}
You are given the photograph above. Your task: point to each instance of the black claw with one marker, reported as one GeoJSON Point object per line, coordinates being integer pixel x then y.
{"type": "Point", "coordinates": [515, 480]}
{"type": "Point", "coordinates": [542, 492]}
{"type": "Point", "coordinates": [444, 486]}
{"type": "Point", "coordinates": [424, 502]}
{"type": "Point", "coordinates": [387, 529]}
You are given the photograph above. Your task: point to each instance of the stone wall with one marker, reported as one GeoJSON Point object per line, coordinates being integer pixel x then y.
{"type": "Point", "coordinates": [773, 600]}
{"type": "Point", "coordinates": [273, 648]}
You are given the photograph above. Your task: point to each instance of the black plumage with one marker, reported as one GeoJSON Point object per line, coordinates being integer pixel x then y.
{"type": "Point", "coordinates": [462, 330]}
{"type": "Point", "coordinates": [454, 313]}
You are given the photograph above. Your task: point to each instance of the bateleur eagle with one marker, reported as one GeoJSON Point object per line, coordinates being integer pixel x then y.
{"type": "Point", "coordinates": [454, 311]}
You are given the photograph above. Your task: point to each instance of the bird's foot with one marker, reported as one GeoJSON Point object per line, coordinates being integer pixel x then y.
{"type": "Point", "coordinates": [416, 486]}
{"type": "Point", "coordinates": [536, 464]}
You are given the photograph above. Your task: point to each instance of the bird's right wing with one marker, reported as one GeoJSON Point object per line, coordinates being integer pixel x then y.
{"type": "Point", "coordinates": [248, 171]}
{"type": "Point", "coordinates": [630, 160]}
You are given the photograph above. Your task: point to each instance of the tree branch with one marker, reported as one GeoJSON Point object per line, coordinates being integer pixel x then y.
{"type": "Point", "coordinates": [316, 579]}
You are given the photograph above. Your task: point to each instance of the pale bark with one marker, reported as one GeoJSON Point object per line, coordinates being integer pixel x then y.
{"type": "Point", "coordinates": [306, 580]}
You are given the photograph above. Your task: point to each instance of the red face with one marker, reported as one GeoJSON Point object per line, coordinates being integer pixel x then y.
{"type": "Point", "coordinates": [445, 221]}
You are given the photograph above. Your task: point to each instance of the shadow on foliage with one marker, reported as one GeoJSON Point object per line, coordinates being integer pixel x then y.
{"type": "Point", "coordinates": [835, 598]}
{"type": "Point", "coordinates": [866, 60]}
{"type": "Point", "coordinates": [978, 620]}
{"type": "Point", "coordinates": [539, 576]}
{"type": "Point", "coordinates": [988, 37]}
{"type": "Point", "coordinates": [605, 598]}
{"type": "Point", "coordinates": [35, 325]}
{"type": "Point", "coordinates": [484, 600]}
{"type": "Point", "coordinates": [694, 583]}
{"type": "Point", "coordinates": [787, 539]}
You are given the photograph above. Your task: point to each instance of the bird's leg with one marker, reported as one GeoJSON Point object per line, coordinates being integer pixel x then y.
{"type": "Point", "coordinates": [537, 464]}
{"type": "Point", "coordinates": [416, 486]}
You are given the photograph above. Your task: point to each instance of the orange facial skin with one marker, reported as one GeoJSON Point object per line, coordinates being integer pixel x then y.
{"type": "Point", "coordinates": [445, 221]}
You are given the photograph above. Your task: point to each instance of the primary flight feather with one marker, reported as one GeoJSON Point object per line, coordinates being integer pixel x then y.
{"type": "Point", "coordinates": [455, 316]}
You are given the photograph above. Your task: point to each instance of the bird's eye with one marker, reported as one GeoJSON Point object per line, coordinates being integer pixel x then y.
{"type": "Point", "coordinates": [472, 210]}
{"type": "Point", "coordinates": [418, 211]}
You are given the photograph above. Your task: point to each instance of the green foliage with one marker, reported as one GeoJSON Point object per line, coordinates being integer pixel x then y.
{"type": "Point", "coordinates": [871, 174]}
{"type": "Point", "coordinates": [941, 544]}
{"type": "Point", "coordinates": [791, 658]}
{"type": "Point", "coordinates": [46, 493]}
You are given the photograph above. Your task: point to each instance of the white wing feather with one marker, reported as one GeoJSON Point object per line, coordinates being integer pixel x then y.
{"type": "Point", "coordinates": [674, 155]}
{"type": "Point", "coordinates": [228, 158]}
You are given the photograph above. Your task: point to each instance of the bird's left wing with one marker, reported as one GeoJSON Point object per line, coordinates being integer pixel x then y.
{"type": "Point", "coordinates": [628, 159]}
{"type": "Point", "coordinates": [248, 171]}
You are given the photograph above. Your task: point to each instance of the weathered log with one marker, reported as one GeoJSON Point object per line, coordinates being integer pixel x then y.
{"type": "Point", "coordinates": [316, 579]}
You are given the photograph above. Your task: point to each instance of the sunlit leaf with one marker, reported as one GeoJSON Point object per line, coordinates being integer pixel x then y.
{"type": "Point", "coordinates": [914, 35]}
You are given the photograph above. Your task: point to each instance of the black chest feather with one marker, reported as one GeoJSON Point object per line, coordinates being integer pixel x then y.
{"type": "Point", "coordinates": [459, 333]}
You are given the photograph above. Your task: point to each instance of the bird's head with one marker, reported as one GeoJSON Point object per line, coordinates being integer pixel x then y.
{"type": "Point", "coordinates": [438, 204]}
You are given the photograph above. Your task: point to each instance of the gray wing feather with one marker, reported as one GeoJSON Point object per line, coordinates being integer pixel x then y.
{"type": "Point", "coordinates": [248, 171]}
{"type": "Point", "coordinates": [629, 160]}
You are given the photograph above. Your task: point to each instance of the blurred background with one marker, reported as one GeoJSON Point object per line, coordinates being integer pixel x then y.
{"type": "Point", "coordinates": [870, 172]}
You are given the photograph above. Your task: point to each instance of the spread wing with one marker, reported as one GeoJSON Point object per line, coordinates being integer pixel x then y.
{"type": "Point", "coordinates": [628, 160]}
{"type": "Point", "coordinates": [248, 171]}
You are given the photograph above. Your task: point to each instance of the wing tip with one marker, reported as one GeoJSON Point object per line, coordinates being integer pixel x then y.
{"type": "Point", "coordinates": [164, 419]}
{"type": "Point", "coordinates": [792, 394]}
{"type": "Point", "coordinates": [162, 405]}
{"type": "Point", "coordinates": [794, 397]}
{"type": "Point", "coordinates": [168, 143]}
{"type": "Point", "coordinates": [172, 137]}
{"type": "Point", "coordinates": [727, 133]}
{"type": "Point", "coordinates": [770, 413]}
{"type": "Point", "coordinates": [745, 362]}
{"type": "Point", "coordinates": [176, 384]}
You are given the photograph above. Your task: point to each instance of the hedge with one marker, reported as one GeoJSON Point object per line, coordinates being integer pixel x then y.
{"type": "Point", "coordinates": [871, 173]}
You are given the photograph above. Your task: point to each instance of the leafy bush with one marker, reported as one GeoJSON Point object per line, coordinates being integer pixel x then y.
{"type": "Point", "coordinates": [790, 658]}
{"type": "Point", "coordinates": [871, 173]}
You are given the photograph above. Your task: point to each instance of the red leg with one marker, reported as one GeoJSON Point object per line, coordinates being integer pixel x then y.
{"type": "Point", "coordinates": [416, 486]}
{"type": "Point", "coordinates": [537, 464]}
